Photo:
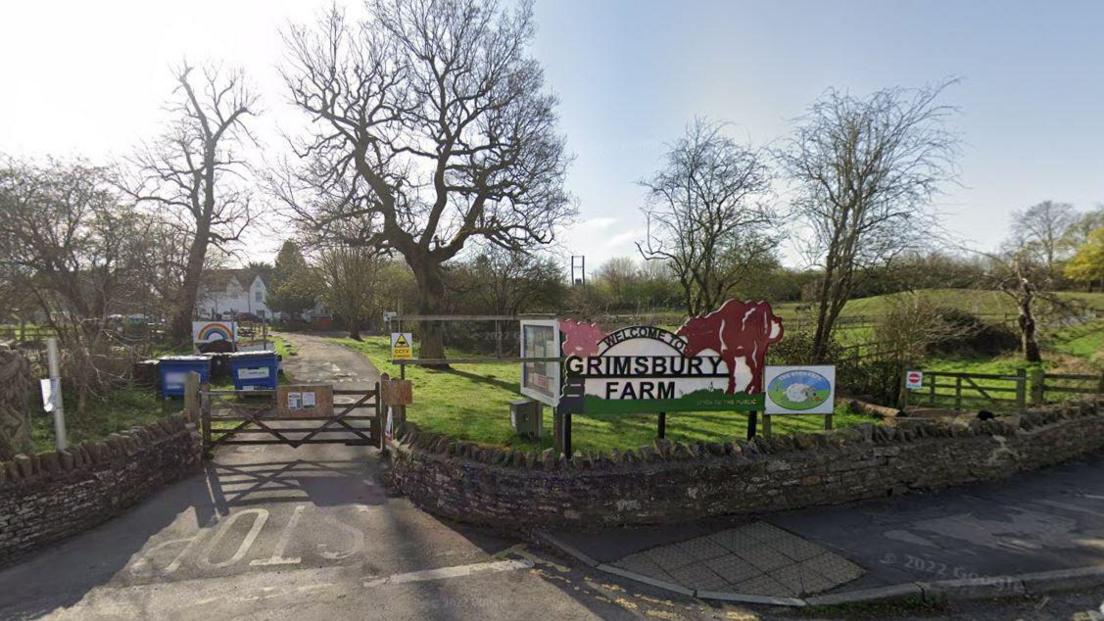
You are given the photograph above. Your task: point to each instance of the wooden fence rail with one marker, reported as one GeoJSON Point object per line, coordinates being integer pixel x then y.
{"type": "Point", "coordinates": [1018, 390]}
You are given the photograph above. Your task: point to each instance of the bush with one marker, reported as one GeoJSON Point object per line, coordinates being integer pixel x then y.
{"type": "Point", "coordinates": [876, 380]}
{"type": "Point", "coordinates": [972, 336]}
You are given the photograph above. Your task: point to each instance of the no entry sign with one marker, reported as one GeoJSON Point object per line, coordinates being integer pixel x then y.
{"type": "Point", "coordinates": [914, 380]}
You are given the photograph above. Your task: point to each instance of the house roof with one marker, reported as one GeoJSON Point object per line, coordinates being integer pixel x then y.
{"type": "Point", "coordinates": [217, 279]}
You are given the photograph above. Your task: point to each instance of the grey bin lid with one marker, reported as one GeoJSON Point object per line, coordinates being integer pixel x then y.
{"type": "Point", "coordinates": [252, 354]}
{"type": "Point", "coordinates": [185, 358]}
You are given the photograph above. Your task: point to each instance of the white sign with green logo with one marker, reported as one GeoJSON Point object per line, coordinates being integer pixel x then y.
{"type": "Point", "coordinates": [800, 389]}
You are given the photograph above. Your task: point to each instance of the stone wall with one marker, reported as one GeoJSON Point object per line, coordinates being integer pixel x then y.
{"type": "Point", "coordinates": [676, 482]}
{"type": "Point", "coordinates": [52, 495]}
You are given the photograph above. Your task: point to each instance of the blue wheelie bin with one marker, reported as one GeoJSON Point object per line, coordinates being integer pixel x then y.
{"type": "Point", "coordinates": [254, 370]}
{"type": "Point", "coordinates": [175, 369]}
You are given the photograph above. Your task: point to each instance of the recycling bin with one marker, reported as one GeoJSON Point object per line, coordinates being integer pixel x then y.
{"type": "Point", "coordinates": [174, 372]}
{"type": "Point", "coordinates": [254, 370]}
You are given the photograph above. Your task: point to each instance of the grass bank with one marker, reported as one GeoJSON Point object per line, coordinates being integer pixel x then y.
{"type": "Point", "coordinates": [118, 410]}
{"type": "Point", "coordinates": [472, 402]}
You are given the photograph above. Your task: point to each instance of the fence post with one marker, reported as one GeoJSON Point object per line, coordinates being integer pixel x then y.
{"type": "Point", "coordinates": [191, 397]}
{"type": "Point", "coordinates": [958, 393]}
{"type": "Point", "coordinates": [1021, 388]}
{"type": "Point", "coordinates": [1038, 386]}
{"type": "Point", "coordinates": [381, 420]}
{"type": "Point", "coordinates": [205, 418]}
{"type": "Point", "coordinates": [931, 388]}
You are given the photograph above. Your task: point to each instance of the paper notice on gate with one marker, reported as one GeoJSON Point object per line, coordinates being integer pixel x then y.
{"type": "Point", "coordinates": [308, 400]}
{"type": "Point", "coordinates": [295, 401]}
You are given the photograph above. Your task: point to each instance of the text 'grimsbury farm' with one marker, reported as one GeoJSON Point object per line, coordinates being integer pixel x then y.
{"type": "Point", "coordinates": [643, 369]}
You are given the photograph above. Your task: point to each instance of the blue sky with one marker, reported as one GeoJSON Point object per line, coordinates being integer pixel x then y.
{"type": "Point", "coordinates": [631, 74]}
{"type": "Point", "coordinates": [90, 79]}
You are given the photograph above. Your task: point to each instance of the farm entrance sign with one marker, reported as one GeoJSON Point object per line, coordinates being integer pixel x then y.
{"type": "Point", "coordinates": [714, 362]}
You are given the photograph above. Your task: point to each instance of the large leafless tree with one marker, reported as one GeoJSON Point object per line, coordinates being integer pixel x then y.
{"type": "Point", "coordinates": [708, 214]}
{"type": "Point", "coordinates": [431, 128]}
{"type": "Point", "coordinates": [865, 171]}
{"type": "Point", "coordinates": [196, 175]}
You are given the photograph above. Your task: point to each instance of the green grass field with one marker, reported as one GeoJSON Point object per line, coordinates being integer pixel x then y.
{"type": "Point", "coordinates": [472, 402]}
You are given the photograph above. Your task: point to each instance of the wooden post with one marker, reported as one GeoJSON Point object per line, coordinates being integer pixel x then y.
{"type": "Point", "coordinates": [561, 432]}
{"type": "Point", "coordinates": [767, 430]}
{"type": "Point", "coordinates": [1021, 388]}
{"type": "Point", "coordinates": [557, 430]}
{"type": "Point", "coordinates": [191, 397]}
{"type": "Point", "coordinates": [205, 418]}
{"type": "Point", "coordinates": [567, 435]}
{"type": "Point", "coordinates": [829, 421]}
{"type": "Point", "coordinates": [903, 391]}
{"type": "Point", "coordinates": [661, 432]}
{"type": "Point", "coordinates": [1038, 386]}
{"type": "Point", "coordinates": [753, 424]}
{"type": "Point", "coordinates": [931, 388]}
{"type": "Point", "coordinates": [380, 419]}
{"type": "Point", "coordinates": [958, 393]}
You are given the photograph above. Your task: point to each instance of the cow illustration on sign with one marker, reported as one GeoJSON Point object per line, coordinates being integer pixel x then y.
{"type": "Point", "coordinates": [736, 330]}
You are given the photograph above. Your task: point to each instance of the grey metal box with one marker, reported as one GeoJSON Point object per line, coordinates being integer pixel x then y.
{"type": "Point", "coordinates": [527, 417]}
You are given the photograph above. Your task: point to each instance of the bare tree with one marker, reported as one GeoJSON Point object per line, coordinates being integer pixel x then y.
{"type": "Point", "coordinates": [504, 282]}
{"type": "Point", "coordinates": [349, 278]}
{"type": "Point", "coordinates": [194, 174]}
{"type": "Point", "coordinates": [432, 128]}
{"type": "Point", "coordinates": [708, 217]}
{"type": "Point", "coordinates": [865, 172]}
{"type": "Point", "coordinates": [78, 255]}
{"type": "Point", "coordinates": [1044, 230]}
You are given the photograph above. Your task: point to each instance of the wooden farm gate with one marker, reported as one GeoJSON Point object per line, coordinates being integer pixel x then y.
{"type": "Point", "coordinates": [968, 390]}
{"type": "Point", "coordinates": [331, 416]}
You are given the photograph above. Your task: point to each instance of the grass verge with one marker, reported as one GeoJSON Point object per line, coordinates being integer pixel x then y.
{"type": "Point", "coordinates": [118, 410]}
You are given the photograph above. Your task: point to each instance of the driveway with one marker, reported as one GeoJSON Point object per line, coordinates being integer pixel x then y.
{"type": "Point", "coordinates": [274, 532]}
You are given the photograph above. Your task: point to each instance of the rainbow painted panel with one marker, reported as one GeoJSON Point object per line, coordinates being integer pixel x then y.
{"type": "Point", "coordinates": [209, 331]}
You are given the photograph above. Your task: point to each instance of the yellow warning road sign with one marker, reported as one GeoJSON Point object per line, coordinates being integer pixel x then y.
{"type": "Point", "coordinates": [402, 346]}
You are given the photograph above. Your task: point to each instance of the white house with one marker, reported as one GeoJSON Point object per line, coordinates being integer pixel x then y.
{"type": "Point", "coordinates": [223, 292]}
{"type": "Point", "coordinates": [226, 291]}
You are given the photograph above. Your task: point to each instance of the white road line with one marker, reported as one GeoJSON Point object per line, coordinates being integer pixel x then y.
{"type": "Point", "coordinates": [444, 573]}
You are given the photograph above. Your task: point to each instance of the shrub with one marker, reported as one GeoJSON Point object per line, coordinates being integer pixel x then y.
{"type": "Point", "coordinates": [972, 336]}
{"type": "Point", "coordinates": [876, 380]}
